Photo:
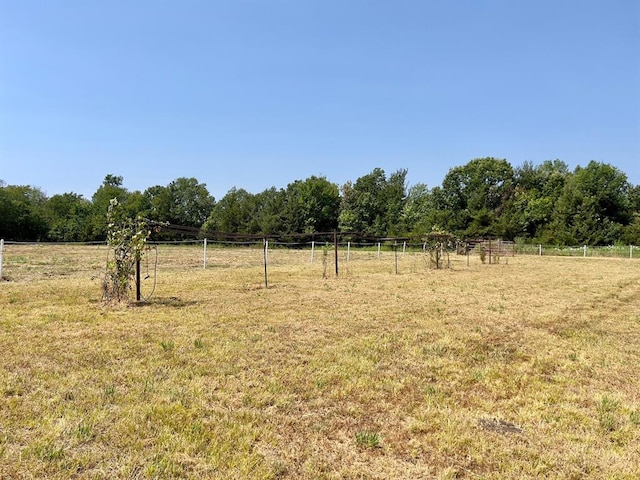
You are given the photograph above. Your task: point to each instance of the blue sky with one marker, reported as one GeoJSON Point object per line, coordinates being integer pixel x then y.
{"type": "Point", "coordinates": [259, 93]}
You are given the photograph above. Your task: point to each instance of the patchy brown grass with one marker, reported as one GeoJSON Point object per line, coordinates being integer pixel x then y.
{"type": "Point", "coordinates": [518, 370]}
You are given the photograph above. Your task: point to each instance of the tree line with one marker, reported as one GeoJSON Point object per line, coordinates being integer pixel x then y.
{"type": "Point", "coordinates": [546, 203]}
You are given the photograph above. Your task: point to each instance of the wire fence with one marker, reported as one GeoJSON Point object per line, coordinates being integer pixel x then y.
{"type": "Point", "coordinates": [615, 251]}
{"type": "Point", "coordinates": [33, 261]}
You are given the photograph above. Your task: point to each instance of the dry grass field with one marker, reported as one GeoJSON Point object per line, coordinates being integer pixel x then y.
{"type": "Point", "coordinates": [521, 369]}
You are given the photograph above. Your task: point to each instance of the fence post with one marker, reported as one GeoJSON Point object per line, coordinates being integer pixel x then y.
{"type": "Point", "coordinates": [489, 251]}
{"type": "Point", "coordinates": [335, 249]}
{"type": "Point", "coordinates": [204, 259]}
{"type": "Point", "coordinates": [138, 292]}
{"type": "Point", "coordinates": [378, 250]}
{"type": "Point", "coordinates": [313, 246]}
{"type": "Point", "coordinates": [585, 251]}
{"type": "Point", "coordinates": [395, 255]}
{"type": "Point", "coordinates": [266, 275]}
{"type": "Point", "coordinates": [630, 256]}
{"type": "Point", "coordinates": [1, 256]}
{"type": "Point", "coordinates": [404, 247]}
{"type": "Point", "coordinates": [540, 249]}
{"type": "Point", "coordinates": [348, 250]}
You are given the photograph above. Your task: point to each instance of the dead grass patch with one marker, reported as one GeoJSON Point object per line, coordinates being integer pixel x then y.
{"type": "Point", "coordinates": [426, 374]}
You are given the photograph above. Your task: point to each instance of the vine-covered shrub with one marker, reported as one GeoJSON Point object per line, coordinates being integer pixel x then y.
{"type": "Point", "coordinates": [126, 240]}
{"type": "Point", "coordinates": [437, 243]}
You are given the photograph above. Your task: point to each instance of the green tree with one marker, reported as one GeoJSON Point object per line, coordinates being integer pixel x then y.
{"type": "Point", "coordinates": [112, 187]}
{"type": "Point", "coordinates": [417, 216]}
{"type": "Point", "coordinates": [189, 202]}
{"type": "Point", "coordinates": [268, 215]}
{"type": "Point", "coordinates": [594, 206]}
{"type": "Point", "coordinates": [373, 204]}
{"type": "Point", "coordinates": [475, 195]}
{"type": "Point", "coordinates": [311, 206]}
{"type": "Point", "coordinates": [537, 191]}
{"type": "Point", "coordinates": [68, 216]}
{"type": "Point", "coordinates": [22, 213]}
{"type": "Point", "coordinates": [234, 213]}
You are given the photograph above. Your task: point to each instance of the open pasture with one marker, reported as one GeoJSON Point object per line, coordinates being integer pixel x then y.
{"type": "Point", "coordinates": [525, 369]}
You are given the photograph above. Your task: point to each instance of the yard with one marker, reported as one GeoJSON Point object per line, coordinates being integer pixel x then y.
{"type": "Point", "coordinates": [526, 368]}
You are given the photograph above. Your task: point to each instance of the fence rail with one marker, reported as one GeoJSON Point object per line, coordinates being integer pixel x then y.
{"type": "Point", "coordinates": [26, 261]}
{"type": "Point", "coordinates": [619, 251]}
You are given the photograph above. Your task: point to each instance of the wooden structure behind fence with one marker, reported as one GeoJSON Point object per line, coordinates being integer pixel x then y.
{"type": "Point", "coordinates": [493, 247]}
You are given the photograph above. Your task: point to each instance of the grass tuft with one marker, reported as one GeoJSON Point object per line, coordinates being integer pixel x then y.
{"type": "Point", "coordinates": [368, 439]}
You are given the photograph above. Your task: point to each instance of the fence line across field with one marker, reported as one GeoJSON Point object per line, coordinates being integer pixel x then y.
{"type": "Point", "coordinates": [621, 251]}
{"type": "Point", "coordinates": [29, 259]}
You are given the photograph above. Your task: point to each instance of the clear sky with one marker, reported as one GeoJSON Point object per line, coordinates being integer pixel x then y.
{"type": "Point", "coordinates": [259, 93]}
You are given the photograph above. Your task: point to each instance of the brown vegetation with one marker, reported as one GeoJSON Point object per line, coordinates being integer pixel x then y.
{"type": "Point", "coordinates": [518, 370]}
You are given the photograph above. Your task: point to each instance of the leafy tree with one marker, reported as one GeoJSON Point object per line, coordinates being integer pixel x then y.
{"type": "Point", "coordinates": [189, 202]}
{"type": "Point", "coordinates": [68, 216]}
{"type": "Point", "coordinates": [158, 203]}
{"type": "Point", "coordinates": [137, 204]}
{"type": "Point", "coordinates": [269, 212]}
{"type": "Point", "coordinates": [311, 205]}
{"type": "Point", "coordinates": [537, 191]}
{"type": "Point", "coordinates": [347, 218]}
{"type": "Point", "coordinates": [111, 188]}
{"type": "Point", "coordinates": [233, 213]}
{"type": "Point", "coordinates": [22, 213]}
{"type": "Point", "coordinates": [394, 195]}
{"type": "Point", "coordinates": [417, 216]}
{"type": "Point", "coordinates": [594, 206]}
{"type": "Point", "coordinates": [631, 233]}
{"type": "Point", "coordinates": [475, 195]}
{"type": "Point", "coordinates": [372, 205]}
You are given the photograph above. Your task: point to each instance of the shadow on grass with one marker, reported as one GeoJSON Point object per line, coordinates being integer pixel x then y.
{"type": "Point", "coordinates": [165, 302]}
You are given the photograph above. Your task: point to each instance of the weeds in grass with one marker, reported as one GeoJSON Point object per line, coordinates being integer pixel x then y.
{"type": "Point", "coordinates": [84, 432]}
{"type": "Point", "coordinates": [109, 392]}
{"type": "Point", "coordinates": [431, 390]}
{"type": "Point", "coordinates": [368, 439]}
{"type": "Point", "coordinates": [198, 343]}
{"type": "Point", "coordinates": [48, 451]}
{"type": "Point", "coordinates": [606, 413]}
{"type": "Point", "coordinates": [167, 345]}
